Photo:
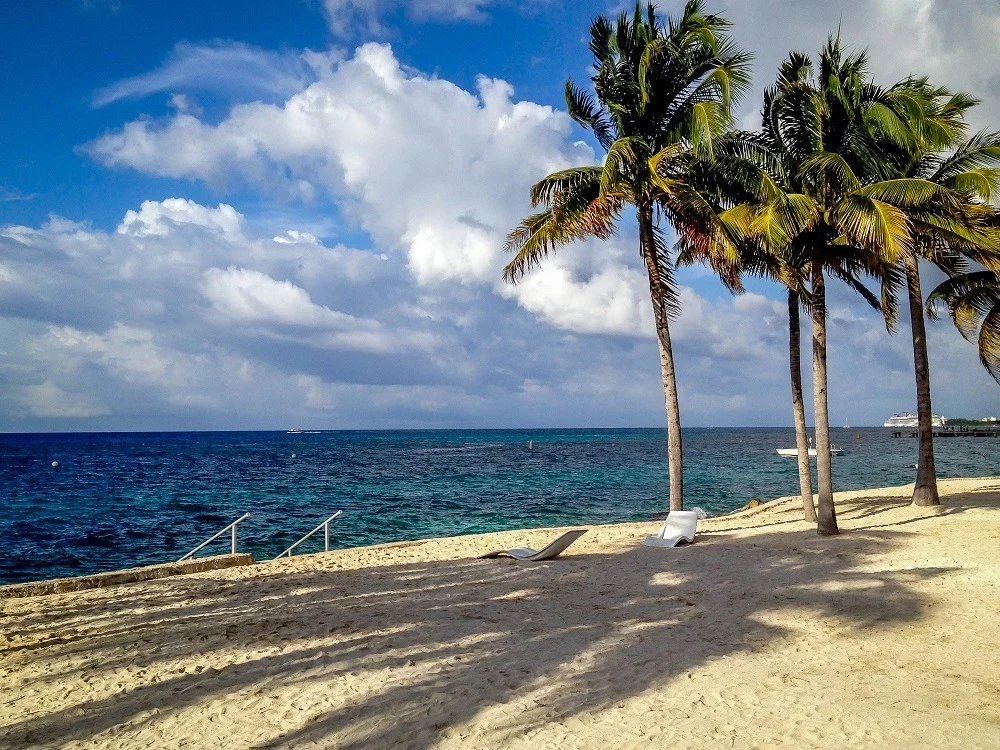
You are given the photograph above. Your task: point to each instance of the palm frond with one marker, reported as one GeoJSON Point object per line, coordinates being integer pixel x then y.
{"type": "Point", "coordinates": [875, 225]}
{"type": "Point", "coordinates": [827, 165]}
{"type": "Point", "coordinates": [547, 190]}
{"type": "Point", "coordinates": [625, 161]}
{"type": "Point", "coordinates": [584, 110]}
{"type": "Point", "coordinates": [905, 192]}
{"type": "Point", "coordinates": [989, 343]}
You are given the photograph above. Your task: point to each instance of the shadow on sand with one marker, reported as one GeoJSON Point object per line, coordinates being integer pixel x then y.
{"type": "Point", "coordinates": [446, 641]}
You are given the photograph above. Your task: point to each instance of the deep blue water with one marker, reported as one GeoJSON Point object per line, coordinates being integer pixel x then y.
{"type": "Point", "coordinates": [123, 499]}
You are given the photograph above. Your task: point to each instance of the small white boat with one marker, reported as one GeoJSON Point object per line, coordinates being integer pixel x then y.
{"type": "Point", "coordinates": [295, 431]}
{"type": "Point", "coordinates": [794, 452]}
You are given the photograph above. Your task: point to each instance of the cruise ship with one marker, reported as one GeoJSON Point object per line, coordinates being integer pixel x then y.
{"type": "Point", "coordinates": [910, 420]}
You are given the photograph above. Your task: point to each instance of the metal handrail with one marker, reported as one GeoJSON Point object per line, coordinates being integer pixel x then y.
{"type": "Point", "coordinates": [325, 526]}
{"type": "Point", "coordinates": [208, 541]}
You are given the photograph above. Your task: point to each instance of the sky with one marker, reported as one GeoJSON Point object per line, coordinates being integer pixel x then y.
{"type": "Point", "coordinates": [259, 215]}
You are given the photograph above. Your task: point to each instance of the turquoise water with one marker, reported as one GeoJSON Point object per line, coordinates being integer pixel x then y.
{"type": "Point", "coordinates": [118, 500]}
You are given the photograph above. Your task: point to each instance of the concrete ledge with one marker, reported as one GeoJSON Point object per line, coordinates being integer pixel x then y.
{"type": "Point", "coordinates": [130, 575]}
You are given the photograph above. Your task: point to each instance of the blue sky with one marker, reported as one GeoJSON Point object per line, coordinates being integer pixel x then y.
{"type": "Point", "coordinates": [52, 87]}
{"type": "Point", "coordinates": [258, 215]}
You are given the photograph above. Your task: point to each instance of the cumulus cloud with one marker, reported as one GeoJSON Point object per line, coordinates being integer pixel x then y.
{"type": "Point", "coordinates": [191, 316]}
{"type": "Point", "coordinates": [47, 400]}
{"type": "Point", "coordinates": [953, 41]}
{"type": "Point", "coordinates": [188, 315]}
{"type": "Point", "coordinates": [416, 330]}
{"type": "Point", "coordinates": [422, 165]}
{"type": "Point", "coordinates": [251, 296]}
{"type": "Point", "coordinates": [156, 218]}
{"type": "Point", "coordinates": [609, 297]}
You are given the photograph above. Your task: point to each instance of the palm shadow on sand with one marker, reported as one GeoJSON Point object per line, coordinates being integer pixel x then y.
{"type": "Point", "coordinates": [565, 637]}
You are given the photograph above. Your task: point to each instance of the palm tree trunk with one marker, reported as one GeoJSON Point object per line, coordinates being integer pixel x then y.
{"type": "Point", "coordinates": [925, 491]}
{"type": "Point", "coordinates": [657, 291]}
{"type": "Point", "coordinates": [827, 522]}
{"type": "Point", "coordinates": [799, 407]}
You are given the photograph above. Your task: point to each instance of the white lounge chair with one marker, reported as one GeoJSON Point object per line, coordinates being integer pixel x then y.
{"type": "Point", "coordinates": [553, 549]}
{"type": "Point", "coordinates": [680, 526]}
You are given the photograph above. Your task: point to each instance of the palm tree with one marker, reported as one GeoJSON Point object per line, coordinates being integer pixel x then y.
{"type": "Point", "coordinates": [760, 255]}
{"type": "Point", "coordinates": [824, 199]}
{"type": "Point", "coordinates": [663, 94]}
{"type": "Point", "coordinates": [947, 230]}
{"type": "Point", "coordinates": [706, 237]}
{"type": "Point", "coordinates": [973, 301]}
{"type": "Point", "coordinates": [799, 404]}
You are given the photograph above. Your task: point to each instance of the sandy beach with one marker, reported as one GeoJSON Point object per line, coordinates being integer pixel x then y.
{"type": "Point", "coordinates": [760, 635]}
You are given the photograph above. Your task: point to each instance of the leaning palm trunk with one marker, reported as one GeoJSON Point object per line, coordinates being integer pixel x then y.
{"type": "Point", "coordinates": [925, 491]}
{"type": "Point", "coordinates": [799, 407]}
{"type": "Point", "coordinates": [827, 522]}
{"type": "Point", "coordinates": [657, 291]}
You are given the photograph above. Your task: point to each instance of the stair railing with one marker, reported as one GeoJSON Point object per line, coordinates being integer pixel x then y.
{"type": "Point", "coordinates": [326, 535]}
{"type": "Point", "coordinates": [211, 539]}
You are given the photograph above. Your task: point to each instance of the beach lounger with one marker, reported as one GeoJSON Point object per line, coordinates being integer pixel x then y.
{"type": "Point", "coordinates": [680, 526]}
{"type": "Point", "coordinates": [553, 549]}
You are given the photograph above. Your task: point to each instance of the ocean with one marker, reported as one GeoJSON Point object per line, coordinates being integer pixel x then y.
{"type": "Point", "coordinates": [118, 500]}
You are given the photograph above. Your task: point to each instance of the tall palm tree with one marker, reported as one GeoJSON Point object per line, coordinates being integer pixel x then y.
{"type": "Point", "coordinates": [824, 199]}
{"type": "Point", "coordinates": [799, 405]}
{"type": "Point", "coordinates": [662, 95]}
{"type": "Point", "coordinates": [946, 231]}
{"type": "Point", "coordinates": [754, 252]}
{"type": "Point", "coordinates": [973, 301]}
{"type": "Point", "coordinates": [706, 236]}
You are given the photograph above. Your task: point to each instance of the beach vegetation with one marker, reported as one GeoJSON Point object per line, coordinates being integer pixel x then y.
{"type": "Point", "coordinates": [820, 191]}
{"type": "Point", "coordinates": [973, 302]}
{"type": "Point", "coordinates": [845, 179]}
{"type": "Point", "coordinates": [662, 94]}
{"type": "Point", "coordinates": [957, 226]}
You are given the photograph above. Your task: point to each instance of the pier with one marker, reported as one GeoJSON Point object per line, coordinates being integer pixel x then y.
{"type": "Point", "coordinates": [950, 432]}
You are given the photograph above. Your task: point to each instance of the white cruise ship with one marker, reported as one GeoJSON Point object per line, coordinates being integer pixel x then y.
{"type": "Point", "coordinates": [910, 420]}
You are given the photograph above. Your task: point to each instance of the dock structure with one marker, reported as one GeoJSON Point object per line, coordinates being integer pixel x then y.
{"type": "Point", "coordinates": [950, 432]}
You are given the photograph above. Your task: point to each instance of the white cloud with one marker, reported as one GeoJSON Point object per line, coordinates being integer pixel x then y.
{"type": "Point", "coordinates": [15, 196]}
{"type": "Point", "coordinates": [198, 311]}
{"type": "Point", "coordinates": [472, 155]}
{"type": "Point", "coordinates": [130, 353]}
{"type": "Point", "coordinates": [243, 296]}
{"type": "Point", "coordinates": [612, 299]}
{"type": "Point", "coordinates": [220, 68]}
{"type": "Point", "coordinates": [251, 296]}
{"type": "Point", "coordinates": [48, 400]}
{"type": "Point", "coordinates": [155, 218]}
{"type": "Point", "coordinates": [424, 166]}
{"type": "Point", "coordinates": [182, 321]}
{"type": "Point", "coordinates": [348, 16]}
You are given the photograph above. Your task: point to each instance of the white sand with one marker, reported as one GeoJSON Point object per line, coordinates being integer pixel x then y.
{"type": "Point", "coordinates": [760, 635]}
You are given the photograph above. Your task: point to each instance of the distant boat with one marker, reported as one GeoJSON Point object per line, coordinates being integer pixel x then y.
{"type": "Point", "coordinates": [295, 431]}
{"type": "Point", "coordinates": [794, 452]}
{"type": "Point", "coordinates": [910, 420]}
{"type": "Point", "coordinates": [846, 426]}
